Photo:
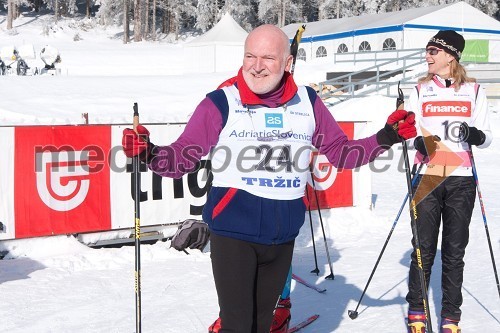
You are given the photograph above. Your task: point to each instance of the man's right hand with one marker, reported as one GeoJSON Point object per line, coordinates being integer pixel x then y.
{"type": "Point", "coordinates": [136, 143]}
{"type": "Point", "coordinates": [426, 145]}
{"type": "Point", "coordinates": [191, 233]}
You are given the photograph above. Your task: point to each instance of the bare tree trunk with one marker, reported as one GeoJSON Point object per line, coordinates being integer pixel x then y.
{"type": "Point", "coordinates": [126, 21]}
{"type": "Point", "coordinates": [10, 16]}
{"type": "Point", "coordinates": [338, 8]}
{"type": "Point", "coordinates": [153, 28]}
{"type": "Point", "coordinates": [146, 19]}
{"type": "Point", "coordinates": [138, 21]}
{"type": "Point", "coordinates": [88, 9]}
{"type": "Point", "coordinates": [164, 20]}
{"type": "Point", "coordinates": [171, 23]}
{"type": "Point", "coordinates": [397, 6]}
{"type": "Point", "coordinates": [280, 14]}
{"type": "Point", "coordinates": [56, 10]}
{"type": "Point", "coordinates": [177, 24]}
{"type": "Point", "coordinates": [15, 13]}
{"type": "Point", "coordinates": [283, 13]}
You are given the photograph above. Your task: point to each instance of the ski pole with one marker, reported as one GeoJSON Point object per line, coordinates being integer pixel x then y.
{"type": "Point", "coordinates": [294, 48]}
{"type": "Point", "coordinates": [137, 243]}
{"type": "Point", "coordinates": [353, 314]}
{"type": "Point", "coordinates": [293, 51]}
{"type": "Point", "coordinates": [416, 239]}
{"type": "Point", "coordinates": [316, 270]}
{"type": "Point", "coordinates": [413, 221]}
{"type": "Point", "coordinates": [483, 212]}
{"type": "Point", "coordinates": [331, 276]}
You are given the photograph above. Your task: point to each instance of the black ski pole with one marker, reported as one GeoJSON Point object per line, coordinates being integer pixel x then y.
{"type": "Point", "coordinates": [413, 221]}
{"type": "Point", "coordinates": [331, 276]}
{"type": "Point", "coordinates": [316, 270]}
{"type": "Point", "coordinates": [137, 244]}
{"type": "Point", "coordinates": [293, 51]}
{"type": "Point", "coordinates": [294, 48]}
{"type": "Point", "coordinates": [353, 314]}
{"type": "Point", "coordinates": [416, 239]}
{"type": "Point", "coordinates": [483, 212]}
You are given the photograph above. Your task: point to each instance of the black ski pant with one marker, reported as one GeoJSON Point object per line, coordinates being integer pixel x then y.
{"type": "Point", "coordinates": [452, 200]}
{"type": "Point", "coordinates": [249, 279]}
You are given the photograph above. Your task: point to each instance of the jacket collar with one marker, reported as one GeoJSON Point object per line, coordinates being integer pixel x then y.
{"type": "Point", "coordinates": [280, 96]}
{"type": "Point", "coordinates": [440, 82]}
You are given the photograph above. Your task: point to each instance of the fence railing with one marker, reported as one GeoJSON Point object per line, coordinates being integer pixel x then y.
{"type": "Point", "coordinates": [403, 68]}
{"type": "Point", "coordinates": [376, 56]}
{"type": "Point", "coordinates": [345, 86]}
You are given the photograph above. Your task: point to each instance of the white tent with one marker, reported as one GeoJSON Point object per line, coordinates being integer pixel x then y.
{"type": "Point", "coordinates": [407, 29]}
{"type": "Point", "coordinates": [218, 50]}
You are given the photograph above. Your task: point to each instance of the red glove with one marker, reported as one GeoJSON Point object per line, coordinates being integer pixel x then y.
{"type": "Point", "coordinates": [134, 144]}
{"type": "Point", "coordinates": [400, 124]}
{"type": "Point", "coordinates": [403, 122]}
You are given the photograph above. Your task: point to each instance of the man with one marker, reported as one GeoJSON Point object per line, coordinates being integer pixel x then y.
{"type": "Point", "coordinates": [259, 133]}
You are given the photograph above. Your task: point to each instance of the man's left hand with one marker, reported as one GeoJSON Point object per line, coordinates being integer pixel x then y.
{"type": "Point", "coordinates": [400, 124]}
{"type": "Point", "coordinates": [403, 122]}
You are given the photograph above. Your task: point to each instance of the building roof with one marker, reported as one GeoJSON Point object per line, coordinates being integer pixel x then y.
{"type": "Point", "coordinates": [459, 16]}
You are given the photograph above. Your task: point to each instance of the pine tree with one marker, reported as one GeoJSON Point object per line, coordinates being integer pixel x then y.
{"type": "Point", "coordinates": [486, 6]}
{"type": "Point", "coordinates": [327, 9]}
{"type": "Point", "coordinates": [244, 12]}
{"type": "Point", "coordinates": [206, 14]}
{"type": "Point", "coordinates": [279, 12]}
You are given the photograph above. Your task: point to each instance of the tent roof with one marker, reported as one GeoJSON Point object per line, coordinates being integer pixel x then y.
{"type": "Point", "coordinates": [458, 16]}
{"type": "Point", "coordinates": [225, 31]}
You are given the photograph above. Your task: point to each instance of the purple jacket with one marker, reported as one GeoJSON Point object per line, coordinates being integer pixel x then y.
{"type": "Point", "coordinates": [239, 214]}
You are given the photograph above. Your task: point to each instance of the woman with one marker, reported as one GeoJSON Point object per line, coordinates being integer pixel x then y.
{"type": "Point", "coordinates": [452, 115]}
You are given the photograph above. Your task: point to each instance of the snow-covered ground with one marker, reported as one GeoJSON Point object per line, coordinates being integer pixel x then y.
{"type": "Point", "coordinates": [56, 284]}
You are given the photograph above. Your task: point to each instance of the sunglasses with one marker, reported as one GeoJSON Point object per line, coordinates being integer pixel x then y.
{"type": "Point", "coordinates": [433, 51]}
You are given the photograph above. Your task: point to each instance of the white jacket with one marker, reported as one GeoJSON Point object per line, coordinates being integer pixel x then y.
{"type": "Point", "coordinates": [440, 111]}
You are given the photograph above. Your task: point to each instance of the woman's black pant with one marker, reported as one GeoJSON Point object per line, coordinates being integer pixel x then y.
{"type": "Point", "coordinates": [249, 279]}
{"type": "Point", "coordinates": [452, 200]}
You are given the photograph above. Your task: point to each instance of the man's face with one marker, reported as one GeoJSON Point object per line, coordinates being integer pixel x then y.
{"type": "Point", "coordinates": [264, 62]}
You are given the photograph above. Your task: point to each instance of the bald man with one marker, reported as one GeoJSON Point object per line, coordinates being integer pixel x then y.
{"type": "Point", "coordinates": [259, 133]}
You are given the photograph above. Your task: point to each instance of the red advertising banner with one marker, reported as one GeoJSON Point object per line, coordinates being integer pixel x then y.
{"type": "Point", "coordinates": [62, 178]}
{"type": "Point", "coordinates": [334, 187]}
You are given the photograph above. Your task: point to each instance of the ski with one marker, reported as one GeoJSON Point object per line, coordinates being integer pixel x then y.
{"type": "Point", "coordinates": [307, 284]}
{"type": "Point", "coordinates": [302, 324]}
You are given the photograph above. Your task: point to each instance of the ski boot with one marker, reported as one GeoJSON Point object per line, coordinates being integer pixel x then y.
{"type": "Point", "coordinates": [282, 316]}
{"type": "Point", "coordinates": [215, 327]}
{"type": "Point", "coordinates": [416, 322]}
{"type": "Point", "coordinates": [281, 319]}
{"type": "Point", "coordinates": [449, 326]}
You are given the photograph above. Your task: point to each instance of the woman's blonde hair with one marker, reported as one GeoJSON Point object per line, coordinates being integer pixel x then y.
{"type": "Point", "coordinates": [457, 73]}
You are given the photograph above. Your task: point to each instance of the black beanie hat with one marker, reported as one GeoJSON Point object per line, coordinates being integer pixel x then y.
{"type": "Point", "coordinates": [450, 41]}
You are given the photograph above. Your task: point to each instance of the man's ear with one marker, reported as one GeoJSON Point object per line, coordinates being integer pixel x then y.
{"type": "Point", "coordinates": [288, 63]}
